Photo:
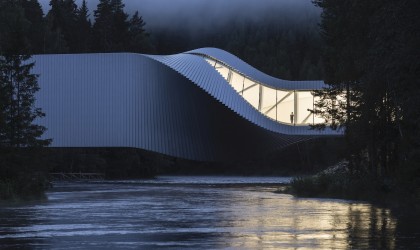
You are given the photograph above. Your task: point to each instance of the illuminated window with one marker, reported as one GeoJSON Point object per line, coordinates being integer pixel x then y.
{"type": "Point", "coordinates": [237, 81]}
{"type": "Point", "coordinates": [268, 102]}
{"type": "Point", "coordinates": [305, 101]}
{"type": "Point", "coordinates": [285, 106]}
{"type": "Point", "coordinates": [252, 94]}
{"type": "Point", "coordinates": [279, 105]}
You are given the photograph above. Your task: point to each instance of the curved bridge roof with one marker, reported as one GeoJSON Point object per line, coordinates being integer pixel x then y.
{"type": "Point", "coordinates": [254, 73]}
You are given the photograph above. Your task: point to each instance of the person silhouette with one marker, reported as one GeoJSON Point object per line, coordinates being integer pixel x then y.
{"type": "Point", "coordinates": [292, 116]}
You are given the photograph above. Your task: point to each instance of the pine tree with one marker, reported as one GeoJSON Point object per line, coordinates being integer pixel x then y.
{"type": "Point", "coordinates": [139, 39]}
{"type": "Point", "coordinates": [61, 21]}
{"type": "Point", "coordinates": [35, 15]}
{"type": "Point", "coordinates": [102, 27]}
{"type": "Point", "coordinates": [84, 29]}
{"type": "Point", "coordinates": [117, 6]}
{"type": "Point", "coordinates": [18, 85]}
{"type": "Point", "coordinates": [120, 28]}
{"type": "Point", "coordinates": [349, 100]}
{"type": "Point", "coordinates": [55, 40]}
{"type": "Point", "coordinates": [69, 25]}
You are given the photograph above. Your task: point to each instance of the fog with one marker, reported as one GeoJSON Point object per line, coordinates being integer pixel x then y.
{"type": "Point", "coordinates": [199, 15]}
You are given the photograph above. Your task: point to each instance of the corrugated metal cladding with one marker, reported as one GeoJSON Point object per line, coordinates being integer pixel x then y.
{"type": "Point", "coordinates": [176, 105]}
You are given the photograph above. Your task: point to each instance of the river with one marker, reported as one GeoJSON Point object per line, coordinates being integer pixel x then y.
{"type": "Point", "coordinates": [198, 213]}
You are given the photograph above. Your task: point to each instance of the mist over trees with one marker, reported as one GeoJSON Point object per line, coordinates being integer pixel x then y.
{"type": "Point", "coordinates": [281, 38]}
{"type": "Point", "coordinates": [278, 44]}
{"type": "Point", "coordinates": [67, 28]}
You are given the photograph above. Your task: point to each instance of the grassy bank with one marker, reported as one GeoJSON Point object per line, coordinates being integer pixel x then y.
{"type": "Point", "coordinates": [23, 173]}
{"type": "Point", "coordinates": [23, 187]}
{"type": "Point", "coordinates": [339, 182]}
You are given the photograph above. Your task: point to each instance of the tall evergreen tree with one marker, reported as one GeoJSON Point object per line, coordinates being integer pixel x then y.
{"type": "Point", "coordinates": [36, 31]}
{"type": "Point", "coordinates": [139, 41]}
{"type": "Point", "coordinates": [83, 29]}
{"type": "Point", "coordinates": [61, 20]}
{"type": "Point", "coordinates": [351, 99]}
{"type": "Point", "coordinates": [18, 85]}
{"type": "Point", "coordinates": [120, 27]}
{"type": "Point", "coordinates": [70, 28]}
{"type": "Point", "coordinates": [394, 60]}
{"type": "Point", "coordinates": [112, 28]}
{"type": "Point", "coordinates": [102, 27]}
{"type": "Point", "coordinates": [55, 40]}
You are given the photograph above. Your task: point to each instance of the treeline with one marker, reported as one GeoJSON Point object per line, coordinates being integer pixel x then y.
{"type": "Point", "coordinates": [67, 28]}
{"type": "Point", "coordinates": [284, 50]}
{"type": "Point", "coordinates": [371, 60]}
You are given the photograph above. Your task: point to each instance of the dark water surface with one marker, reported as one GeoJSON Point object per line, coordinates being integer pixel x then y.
{"type": "Point", "coordinates": [198, 213]}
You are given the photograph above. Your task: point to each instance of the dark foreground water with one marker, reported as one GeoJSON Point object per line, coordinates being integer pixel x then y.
{"type": "Point", "coordinates": [198, 213]}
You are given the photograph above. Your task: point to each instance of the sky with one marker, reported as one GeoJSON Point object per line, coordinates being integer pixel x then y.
{"type": "Point", "coordinates": [203, 14]}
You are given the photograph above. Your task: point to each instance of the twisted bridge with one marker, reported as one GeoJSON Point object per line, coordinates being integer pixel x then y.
{"type": "Point", "coordinates": [204, 104]}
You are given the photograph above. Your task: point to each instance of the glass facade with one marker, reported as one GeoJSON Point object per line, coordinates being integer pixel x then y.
{"type": "Point", "coordinates": [284, 106]}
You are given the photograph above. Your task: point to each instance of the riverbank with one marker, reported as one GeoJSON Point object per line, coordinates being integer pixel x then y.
{"type": "Point", "coordinates": [23, 173]}
{"type": "Point", "coordinates": [24, 187]}
{"type": "Point", "coordinates": [338, 181]}
{"type": "Point", "coordinates": [21, 169]}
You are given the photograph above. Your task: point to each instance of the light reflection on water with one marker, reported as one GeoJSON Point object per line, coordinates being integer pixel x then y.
{"type": "Point", "coordinates": [192, 212]}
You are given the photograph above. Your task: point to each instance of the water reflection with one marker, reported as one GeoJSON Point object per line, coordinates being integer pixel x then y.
{"type": "Point", "coordinates": [286, 222]}
{"type": "Point", "coordinates": [184, 212]}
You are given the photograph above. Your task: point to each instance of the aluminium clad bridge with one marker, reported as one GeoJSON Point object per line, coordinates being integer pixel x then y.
{"type": "Point", "coordinates": [205, 104]}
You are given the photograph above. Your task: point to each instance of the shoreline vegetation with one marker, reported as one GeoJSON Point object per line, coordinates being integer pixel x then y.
{"type": "Point", "coordinates": [339, 182]}
{"type": "Point", "coordinates": [23, 187]}
{"type": "Point", "coordinates": [25, 173]}
{"type": "Point", "coordinates": [309, 163]}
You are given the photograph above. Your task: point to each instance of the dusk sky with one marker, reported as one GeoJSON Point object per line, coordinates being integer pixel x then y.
{"type": "Point", "coordinates": [197, 14]}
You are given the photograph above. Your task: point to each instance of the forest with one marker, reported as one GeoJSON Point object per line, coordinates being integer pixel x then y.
{"type": "Point", "coordinates": [274, 47]}
{"type": "Point", "coordinates": [366, 51]}
{"type": "Point", "coordinates": [376, 69]}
